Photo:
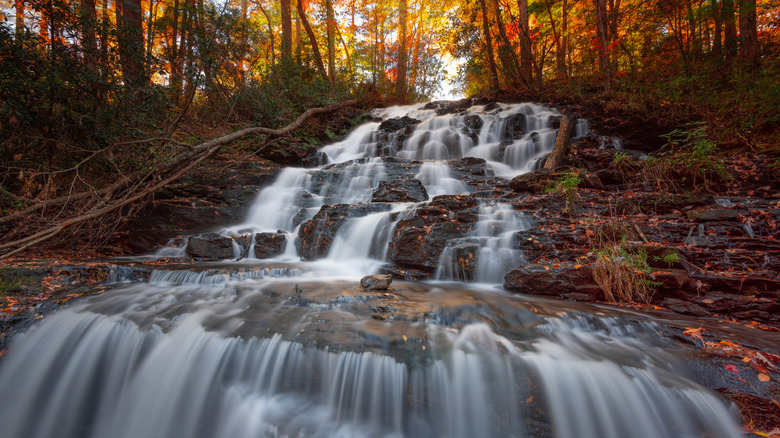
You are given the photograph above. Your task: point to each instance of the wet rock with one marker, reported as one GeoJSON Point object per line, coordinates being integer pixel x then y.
{"type": "Point", "coordinates": [393, 125]}
{"type": "Point", "coordinates": [684, 307]}
{"type": "Point", "coordinates": [670, 279]}
{"type": "Point", "coordinates": [376, 282]}
{"type": "Point", "coordinates": [316, 235]}
{"type": "Point", "coordinates": [292, 153]}
{"type": "Point", "coordinates": [715, 214]}
{"type": "Point", "coordinates": [406, 274]}
{"type": "Point", "coordinates": [532, 182]}
{"type": "Point", "coordinates": [516, 126]}
{"type": "Point", "coordinates": [591, 181]}
{"type": "Point", "coordinates": [209, 246]}
{"type": "Point", "coordinates": [699, 241]}
{"type": "Point", "coordinates": [555, 121]}
{"type": "Point", "coordinates": [473, 122]}
{"type": "Point", "coordinates": [400, 190]}
{"type": "Point", "coordinates": [269, 245]}
{"type": "Point", "coordinates": [421, 247]}
{"type": "Point", "coordinates": [545, 280]}
{"type": "Point", "coordinates": [661, 203]}
{"type": "Point", "coordinates": [454, 202]}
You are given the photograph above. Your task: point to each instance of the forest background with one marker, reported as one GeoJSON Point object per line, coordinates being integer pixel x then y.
{"type": "Point", "coordinates": [104, 101]}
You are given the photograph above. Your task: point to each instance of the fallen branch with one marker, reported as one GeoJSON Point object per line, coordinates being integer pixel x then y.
{"type": "Point", "coordinates": [177, 167]}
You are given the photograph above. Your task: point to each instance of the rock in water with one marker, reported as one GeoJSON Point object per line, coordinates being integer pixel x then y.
{"type": "Point", "coordinates": [376, 282]}
{"type": "Point", "coordinates": [269, 245]}
{"type": "Point", "coordinates": [210, 246]}
{"type": "Point", "coordinates": [400, 190]}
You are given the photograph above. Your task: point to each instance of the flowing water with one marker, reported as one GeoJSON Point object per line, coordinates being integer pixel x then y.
{"type": "Point", "coordinates": [284, 347]}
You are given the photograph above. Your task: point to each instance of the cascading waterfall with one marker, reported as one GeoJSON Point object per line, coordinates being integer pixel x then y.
{"type": "Point", "coordinates": [297, 349]}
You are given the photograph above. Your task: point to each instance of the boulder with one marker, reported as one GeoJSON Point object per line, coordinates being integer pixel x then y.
{"type": "Point", "coordinates": [533, 182]}
{"type": "Point", "coordinates": [545, 280]}
{"type": "Point", "coordinates": [316, 235]}
{"type": "Point", "coordinates": [398, 123]}
{"type": "Point", "coordinates": [421, 247]}
{"type": "Point", "coordinates": [400, 190]}
{"type": "Point", "coordinates": [714, 214]}
{"type": "Point", "coordinates": [454, 202]}
{"type": "Point", "coordinates": [376, 282]}
{"type": "Point", "coordinates": [670, 279]}
{"type": "Point", "coordinates": [269, 245]}
{"type": "Point", "coordinates": [516, 126]}
{"type": "Point", "coordinates": [209, 246]}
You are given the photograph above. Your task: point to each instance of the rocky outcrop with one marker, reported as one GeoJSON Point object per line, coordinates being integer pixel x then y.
{"type": "Point", "coordinates": [210, 246]}
{"type": "Point", "coordinates": [400, 190]}
{"type": "Point", "coordinates": [269, 245]}
{"type": "Point", "coordinates": [711, 215]}
{"type": "Point", "coordinates": [537, 279]}
{"type": "Point", "coordinates": [316, 235]}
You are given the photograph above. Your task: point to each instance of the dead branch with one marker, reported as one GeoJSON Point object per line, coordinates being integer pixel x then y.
{"type": "Point", "coordinates": [139, 186]}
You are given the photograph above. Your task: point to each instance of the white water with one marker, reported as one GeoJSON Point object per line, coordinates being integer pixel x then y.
{"type": "Point", "coordinates": [192, 360]}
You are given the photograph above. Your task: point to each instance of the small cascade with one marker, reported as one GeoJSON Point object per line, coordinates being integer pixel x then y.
{"type": "Point", "coordinates": [490, 250]}
{"type": "Point", "coordinates": [438, 180]}
{"type": "Point", "coordinates": [87, 374]}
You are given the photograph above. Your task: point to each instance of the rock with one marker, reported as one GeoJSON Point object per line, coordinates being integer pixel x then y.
{"type": "Point", "coordinates": [684, 307]}
{"type": "Point", "coordinates": [376, 282]}
{"type": "Point", "coordinates": [715, 214]}
{"type": "Point", "coordinates": [400, 190]}
{"type": "Point", "coordinates": [293, 153]}
{"type": "Point", "coordinates": [316, 235]}
{"type": "Point", "coordinates": [473, 122]}
{"type": "Point", "coordinates": [533, 182]}
{"type": "Point", "coordinates": [454, 202]}
{"type": "Point", "coordinates": [393, 125]}
{"type": "Point", "coordinates": [699, 241]}
{"type": "Point", "coordinates": [269, 245]}
{"type": "Point", "coordinates": [544, 280]}
{"type": "Point", "coordinates": [421, 247]}
{"type": "Point", "coordinates": [591, 181]}
{"type": "Point", "coordinates": [516, 126]}
{"type": "Point", "coordinates": [670, 278]}
{"type": "Point", "coordinates": [209, 246]}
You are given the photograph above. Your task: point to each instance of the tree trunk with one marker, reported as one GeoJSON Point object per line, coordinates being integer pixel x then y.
{"type": "Point", "coordinates": [19, 23]}
{"type": "Point", "coordinates": [400, 90]}
{"type": "Point", "coordinates": [173, 54]}
{"type": "Point", "coordinates": [717, 44]}
{"type": "Point", "coordinates": [560, 60]}
{"type": "Point", "coordinates": [729, 30]}
{"type": "Point", "coordinates": [88, 34]}
{"type": "Point", "coordinates": [601, 33]}
{"type": "Point", "coordinates": [131, 43]}
{"type": "Point", "coordinates": [562, 142]}
{"type": "Point", "coordinates": [314, 46]}
{"type": "Point", "coordinates": [286, 31]}
{"type": "Point", "coordinates": [526, 55]}
{"type": "Point", "coordinates": [748, 32]}
{"type": "Point", "coordinates": [298, 48]}
{"type": "Point", "coordinates": [489, 43]}
{"type": "Point", "coordinates": [505, 53]}
{"type": "Point", "coordinates": [330, 22]}
{"type": "Point", "coordinates": [270, 33]}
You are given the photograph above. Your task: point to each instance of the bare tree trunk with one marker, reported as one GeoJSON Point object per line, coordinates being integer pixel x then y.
{"type": "Point", "coordinates": [562, 142]}
{"type": "Point", "coordinates": [314, 46]}
{"type": "Point", "coordinates": [286, 31]}
{"type": "Point", "coordinates": [400, 90]}
{"type": "Point", "coordinates": [489, 43]}
{"type": "Point", "coordinates": [526, 55]}
{"type": "Point", "coordinates": [298, 48]}
{"type": "Point", "coordinates": [748, 32]}
{"type": "Point", "coordinates": [729, 30]}
{"type": "Point", "coordinates": [717, 44]}
{"type": "Point", "coordinates": [601, 32]}
{"type": "Point", "coordinates": [131, 43]}
{"type": "Point", "coordinates": [330, 22]}
{"type": "Point", "coordinates": [270, 33]}
{"type": "Point", "coordinates": [564, 36]}
{"type": "Point", "coordinates": [88, 34]}
{"type": "Point", "coordinates": [505, 53]}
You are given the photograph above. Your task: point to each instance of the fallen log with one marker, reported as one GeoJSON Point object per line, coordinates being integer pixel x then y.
{"type": "Point", "coordinates": [562, 143]}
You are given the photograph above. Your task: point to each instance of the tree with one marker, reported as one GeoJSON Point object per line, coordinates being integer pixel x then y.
{"type": "Point", "coordinates": [131, 42]}
{"type": "Point", "coordinates": [489, 47]}
{"type": "Point", "coordinates": [400, 90]}
{"type": "Point", "coordinates": [601, 35]}
{"type": "Point", "coordinates": [748, 32]}
{"type": "Point", "coordinates": [286, 30]}
{"type": "Point", "coordinates": [526, 57]}
{"type": "Point", "coordinates": [330, 22]}
{"type": "Point", "coordinates": [19, 23]}
{"type": "Point", "coordinates": [313, 39]}
{"type": "Point", "coordinates": [729, 29]}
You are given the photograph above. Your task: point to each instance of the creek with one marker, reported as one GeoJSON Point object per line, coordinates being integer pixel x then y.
{"type": "Point", "coordinates": [289, 344]}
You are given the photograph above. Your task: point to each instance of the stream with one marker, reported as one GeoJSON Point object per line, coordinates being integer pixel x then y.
{"type": "Point", "coordinates": [289, 345]}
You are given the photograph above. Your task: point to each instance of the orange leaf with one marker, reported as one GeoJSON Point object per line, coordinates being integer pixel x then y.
{"type": "Point", "coordinates": [763, 377]}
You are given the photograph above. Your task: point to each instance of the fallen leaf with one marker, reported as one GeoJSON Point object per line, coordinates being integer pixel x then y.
{"type": "Point", "coordinates": [763, 377]}
{"type": "Point", "coordinates": [731, 368]}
